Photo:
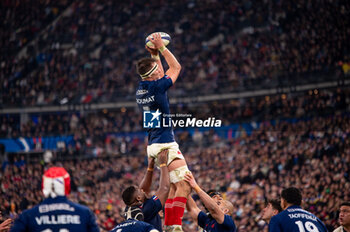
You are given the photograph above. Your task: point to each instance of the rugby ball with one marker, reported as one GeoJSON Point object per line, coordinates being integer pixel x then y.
{"type": "Point", "coordinates": [165, 37]}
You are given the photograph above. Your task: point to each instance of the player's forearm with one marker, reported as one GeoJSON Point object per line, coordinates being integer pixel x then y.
{"type": "Point", "coordinates": [164, 184]}
{"type": "Point", "coordinates": [192, 208]}
{"type": "Point", "coordinates": [171, 59]}
{"type": "Point", "coordinates": [147, 181]}
{"type": "Point", "coordinates": [174, 66]}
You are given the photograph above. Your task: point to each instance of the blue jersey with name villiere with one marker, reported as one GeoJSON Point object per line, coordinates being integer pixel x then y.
{"type": "Point", "coordinates": [294, 219]}
{"type": "Point", "coordinates": [133, 225]}
{"type": "Point", "coordinates": [209, 224]}
{"type": "Point", "coordinates": [150, 209]}
{"type": "Point", "coordinates": [56, 215]}
{"type": "Point", "coordinates": [152, 96]}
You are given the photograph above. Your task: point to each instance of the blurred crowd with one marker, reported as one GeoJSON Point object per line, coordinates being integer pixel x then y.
{"type": "Point", "coordinates": [88, 54]}
{"type": "Point", "coordinates": [100, 132]}
{"type": "Point", "coordinates": [85, 52]}
{"type": "Point", "coordinates": [22, 21]}
{"type": "Point", "coordinates": [312, 155]}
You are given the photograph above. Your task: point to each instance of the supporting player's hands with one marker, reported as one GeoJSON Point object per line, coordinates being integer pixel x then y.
{"type": "Point", "coordinates": [156, 39]}
{"type": "Point", "coordinates": [5, 226]}
{"type": "Point", "coordinates": [163, 157]}
{"type": "Point", "coordinates": [190, 179]}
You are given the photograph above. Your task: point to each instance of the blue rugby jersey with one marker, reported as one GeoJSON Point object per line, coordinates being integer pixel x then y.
{"type": "Point", "coordinates": [133, 225]}
{"type": "Point", "coordinates": [210, 225]}
{"type": "Point", "coordinates": [152, 96]}
{"type": "Point", "coordinates": [56, 215]}
{"type": "Point", "coordinates": [295, 219]}
{"type": "Point", "coordinates": [150, 209]}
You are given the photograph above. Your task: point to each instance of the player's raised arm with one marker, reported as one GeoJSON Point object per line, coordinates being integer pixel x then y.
{"type": "Point", "coordinates": [174, 66]}
{"type": "Point", "coordinates": [146, 182]}
{"type": "Point", "coordinates": [155, 54]}
{"type": "Point", "coordinates": [192, 208]}
{"type": "Point", "coordinates": [209, 203]}
{"type": "Point", "coordinates": [164, 183]}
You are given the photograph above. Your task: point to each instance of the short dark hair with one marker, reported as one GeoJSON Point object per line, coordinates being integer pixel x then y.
{"type": "Point", "coordinates": [292, 195]}
{"type": "Point", "coordinates": [276, 204]}
{"type": "Point", "coordinates": [128, 195]}
{"type": "Point", "coordinates": [144, 65]}
{"type": "Point", "coordinates": [213, 192]}
{"type": "Point", "coordinates": [345, 203]}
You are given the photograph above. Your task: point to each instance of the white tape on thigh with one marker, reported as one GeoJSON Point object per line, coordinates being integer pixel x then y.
{"type": "Point", "coordinates": [178, 174]}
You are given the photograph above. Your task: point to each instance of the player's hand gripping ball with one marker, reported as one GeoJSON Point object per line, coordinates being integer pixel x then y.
{"type": "Point", "coordinates": [165, 38]}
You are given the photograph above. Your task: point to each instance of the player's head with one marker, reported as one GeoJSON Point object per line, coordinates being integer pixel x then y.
{"type": "Point", "coordinates": [133, 212]}
{"type": "Point", "coordinates": [56, 182]}
{"type": "Point", "coordinates": [226, 207]}
{"type": "Point", "coordinates": [133, 195]}
{"type": "Point", "coordinates": [216, 196]}
{"type": "Point", "coordinates": [344, 214]}
{"type": "Point", "coordinates": [290, 196]}
{"type": "Point", "coordinates": [272, 208]}
{"type": "Point", "coordinates": [148, 69]}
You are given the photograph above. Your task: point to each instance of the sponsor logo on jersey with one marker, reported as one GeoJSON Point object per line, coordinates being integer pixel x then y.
{"type": "Point", "coordinates": [54, 207]}
{"type": "Point", "coordinates": [141, 92]}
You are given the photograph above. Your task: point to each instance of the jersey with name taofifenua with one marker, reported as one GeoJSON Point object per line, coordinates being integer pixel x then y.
{"type": "Point", "coordinates": [56, 215]}
{"type": "Point", "coordinates": [150, 209]}
{"type": "Point", "coordinates": [210, 225]}
{"type": "Point", "coordinates": [133, 225]}
{"type": "Point", "coordinates": [152, 96]}
{"type": "Point", "coordinates": [294, 219]}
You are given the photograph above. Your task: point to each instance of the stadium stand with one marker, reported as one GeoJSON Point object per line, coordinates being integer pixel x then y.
{"type": "Point", "coordinates": [83, 52]}
{"type": "Point", "coordinates": [81, 57]}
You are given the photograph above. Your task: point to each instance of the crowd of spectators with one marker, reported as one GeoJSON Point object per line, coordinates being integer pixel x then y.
{"type": "Point", "coordinates": [22, 21]}
{"type": "Point", "coordinates": [98, 131]}
{"type": "Point", "coordinates": [89, 54]}
{"type": "Point", "coordinates": [312, 155]}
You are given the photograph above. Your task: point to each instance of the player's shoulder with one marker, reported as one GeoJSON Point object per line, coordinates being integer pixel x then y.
{"type": "Point", "coordinates": [155, 198]}
{"type": "Point", "coordinates": [201, 217]}
{"type": "Point", "coordinates": [228, 219]}
{"type": "Point", "coordinates": [280, 216]}
{"type": "Point", "coordinates": [165, 77]}
{"type": "Point", "coordinates": [32, 211]}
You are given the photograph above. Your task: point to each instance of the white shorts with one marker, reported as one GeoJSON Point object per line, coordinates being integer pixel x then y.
{"type": "Point", "coordinates": [174, 151]}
